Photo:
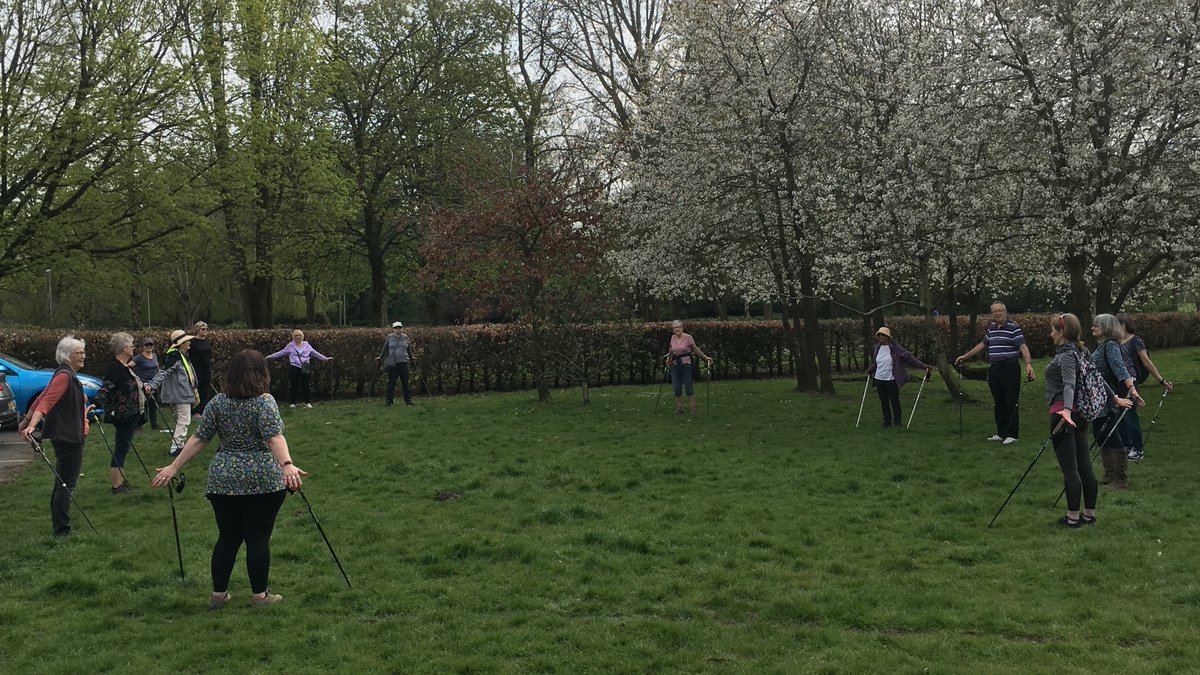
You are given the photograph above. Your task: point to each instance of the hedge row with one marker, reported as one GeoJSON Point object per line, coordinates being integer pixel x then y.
{"type": "Point", "coordinates": [488, 357]}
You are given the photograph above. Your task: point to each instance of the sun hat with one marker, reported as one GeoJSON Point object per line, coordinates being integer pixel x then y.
{"type": "Point", "coordinates": [397, 324]}
{"type": "Point", "coordinates": [884, 331]}
{"type": "Point", "coordinates": [179, 337]}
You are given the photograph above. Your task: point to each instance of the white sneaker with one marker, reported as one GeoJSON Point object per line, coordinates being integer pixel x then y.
{"type": "Point", "coordinates": [1010, 440]}
{"type": "Point", "coordinates": [996, 438]}
{"type": "Point", "coordinates": [307, 405]}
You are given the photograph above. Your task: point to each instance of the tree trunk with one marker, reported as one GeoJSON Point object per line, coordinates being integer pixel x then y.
{"type": "Point", "coordinates": [378, 287]}
{"type": "Point", "coordinates": [925, 299]}
{"type": "Point", "coordinates": [310, 303]}
{"type": "Point", "coordinates": [1081, 298]}
{"type": "Point", "coordinates": [814, 338]}
{"type": "Point", "coordinates": [258, 307]}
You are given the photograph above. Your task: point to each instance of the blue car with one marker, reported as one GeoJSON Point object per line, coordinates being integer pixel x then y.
{"type": "Point", "coordinates": [27, 381]}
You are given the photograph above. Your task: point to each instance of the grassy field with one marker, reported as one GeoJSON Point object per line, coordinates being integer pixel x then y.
{"type": "Point", "coordinates": [766, 534]}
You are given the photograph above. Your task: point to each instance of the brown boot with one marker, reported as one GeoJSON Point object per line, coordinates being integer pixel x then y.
{"type": "Point", "coordinates": [1120, 466]}
{"type": "Point", "coordinates": [1106, 458]}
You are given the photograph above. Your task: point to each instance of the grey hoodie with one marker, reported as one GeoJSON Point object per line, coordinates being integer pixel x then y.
{"type": "Point", "coordinates": [395, 350]}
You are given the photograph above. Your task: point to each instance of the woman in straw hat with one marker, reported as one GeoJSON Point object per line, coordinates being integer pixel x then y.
{"type": "Point", "coordinates": [888, 374]}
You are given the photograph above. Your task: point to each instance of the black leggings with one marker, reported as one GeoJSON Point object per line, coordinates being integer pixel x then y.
{"type": "Point", "coordinates": [68, 460]}
{"type": "Point", "coordinates": [889, 400]}
{"type": "Point", "coordinates": [299, 384]}
{"type": "Point", "coordinates": [1071, 448]}
{"type": "Point", "coordinates": [248, 518]}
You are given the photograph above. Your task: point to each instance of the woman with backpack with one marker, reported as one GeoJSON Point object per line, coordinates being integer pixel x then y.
{"type": "Point", "coordinates": [1138, 363]}
{"type": "Point", "coordinates": [1107, 359]}
{"type": "Point", "coordinates": [1063, 384]}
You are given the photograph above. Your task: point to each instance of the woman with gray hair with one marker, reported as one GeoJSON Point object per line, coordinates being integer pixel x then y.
{"type": "Point", "coordinates": [123, 400]}
{"type": "Point", "coordinates": [679, 360]}
{"type": "Point", "coordinates": [62, 406]}
{"type": "Point", "coordinates": [1107, 358]}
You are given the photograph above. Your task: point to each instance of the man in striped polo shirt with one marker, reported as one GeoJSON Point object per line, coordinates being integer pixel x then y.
{"type": "Point", "coordinates": [1004, 342]}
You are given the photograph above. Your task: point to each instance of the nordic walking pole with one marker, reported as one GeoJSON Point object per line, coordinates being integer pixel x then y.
{"type": "Point", "coordinates": [661, 381]}
{"type": "Point", "coordinates": [913, 414]}
{"type": "Point", "coordinates": [322, 531]}
{"type": "Point", "coordinates": [1153, 422]}
{"type": "Point", "coordinates": [866, 386]}
{"type": "Point", "coordinates": [96, 421]}
{"type": "Point", "coordinates": [171, 490]}
{"type": "Point", "coordinates": [1095, 454]}
{"type": "Point", "coordinates": [708, 390]}
{"type": "Point", "coordinates": [37, 447]}
{"type": "Point", "coordinates": [1036, 457]}
{"type": "Point", "coordinates": [961, 395]}
{"type": "Point", "coordinates": [139, 458]}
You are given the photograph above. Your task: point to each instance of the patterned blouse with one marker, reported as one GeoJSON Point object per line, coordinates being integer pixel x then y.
{"type": "Point", "coordinates": [243, 465]}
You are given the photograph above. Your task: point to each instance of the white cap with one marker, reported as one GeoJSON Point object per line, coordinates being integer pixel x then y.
{"type": "Point", "coordinates": [397, 324]}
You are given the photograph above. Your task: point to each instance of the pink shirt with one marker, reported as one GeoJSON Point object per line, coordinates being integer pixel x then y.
{"type": "Point", "coordinates": [682, 345]}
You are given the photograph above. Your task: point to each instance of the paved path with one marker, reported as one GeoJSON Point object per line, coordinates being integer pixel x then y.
{"type": "Point", "coordinates": [14, 455]}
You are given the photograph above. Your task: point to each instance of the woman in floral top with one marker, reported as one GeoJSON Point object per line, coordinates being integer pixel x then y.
{"type": "Point", "coordinates": [249, 476]}
{"type": "Point", "coordinates": [122, 400]}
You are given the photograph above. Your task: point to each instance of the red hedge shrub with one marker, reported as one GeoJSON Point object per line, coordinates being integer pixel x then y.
{"type": "Point", "coordinates": [488, 357]}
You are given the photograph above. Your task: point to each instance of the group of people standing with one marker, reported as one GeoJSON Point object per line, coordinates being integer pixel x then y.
{"type": "Point", "coordinates": [251, 472]}
{"type": "Point", "coordinates": [1122, 361]}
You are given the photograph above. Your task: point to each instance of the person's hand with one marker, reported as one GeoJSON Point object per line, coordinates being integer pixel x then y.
{"type": "Point", "coordinates": [164, 476]}
{"type": "Point", "coordinates": [27, 434]}
{"type": "Point", "coordinates": [928, 373]}
{"type": "Point", "coordinates": [1124, 403]}
{"type": "Point", "coordinates": [147, 388]}
{"type": "Point", "coordinates": [1029, 372]}
{"type": "Point", "coordinates": [376, 358]}
{"type": "Point", "coordinates": [959, 361]}
{"type": "Point", "coordinates": [1167, 384]}
{"type": "Point", "coordinates": [90, 410]}
{"type": "Point", "coordinates": [292, 477]}
{"type": "Point", "coordinates": [1137, 398]}
{"type": "Point", "coordinates": [710, 360]}
{"type": "Point", "coordinates": [1066, 415]}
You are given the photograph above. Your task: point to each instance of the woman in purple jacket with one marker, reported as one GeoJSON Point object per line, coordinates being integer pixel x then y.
{"type": "Point", "coordinates": [299, 354]}
{"type": "Point", "coordinates": [888, 374]}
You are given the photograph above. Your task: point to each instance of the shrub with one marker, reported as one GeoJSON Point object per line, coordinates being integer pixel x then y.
{"type": "Point", "coordinates": [489, 357]}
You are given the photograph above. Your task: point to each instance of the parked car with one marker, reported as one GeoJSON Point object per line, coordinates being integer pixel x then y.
{"type": "Point", "coordinates": [28, 381]}
{"type": "Point", "coordinates": [8, 405]}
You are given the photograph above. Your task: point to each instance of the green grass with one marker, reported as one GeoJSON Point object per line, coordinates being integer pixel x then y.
{"type": "Point", "coordinates": [765, 535]}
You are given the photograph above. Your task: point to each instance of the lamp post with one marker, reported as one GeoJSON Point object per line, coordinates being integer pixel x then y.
{"type": "Point", "coordinates": [49, 295]}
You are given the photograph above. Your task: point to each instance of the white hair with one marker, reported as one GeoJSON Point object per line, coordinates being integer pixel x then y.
{"type": "Point", "coordinates": [119, 341]}
{"type": "Point", "coordinates": [67, 345]}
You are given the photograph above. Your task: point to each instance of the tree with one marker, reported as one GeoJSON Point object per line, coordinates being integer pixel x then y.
{"type": "Point", "coordinates": [1104, 95]}
{"type": "Point", "coordinates": [413, 86]}
{"type": "Point", "coordinates": [85, 89]}
{"type": "Point", "coordinates": [528, 247]}
{"type": "Point", "coordinates": [254, 75]}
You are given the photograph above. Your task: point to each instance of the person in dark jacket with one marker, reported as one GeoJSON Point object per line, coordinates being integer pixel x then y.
{"type": "Point", "coordinates": [394, 358]}
{"type": "Point", "coordinates": [201, 356]}
{"type": "Point", "coordinates": [121, 397]}
{"type": "Point", "coordinates": [62, 407]}
{"type": "Point", "coordinates": [145, 366]}
{"type": "Point", "coordinates": [888, 374]}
